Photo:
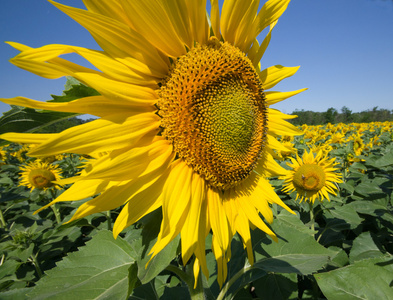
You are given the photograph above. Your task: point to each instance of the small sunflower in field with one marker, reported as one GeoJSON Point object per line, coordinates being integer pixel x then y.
{"type": "Point", "coordinates": [39, 175]}
{"type": "Point", "coordinates": [3, 155]}
{"type": "Point", "coordinates": [312, 176]}
{"type": "Point", "coordinates": [358, 144]}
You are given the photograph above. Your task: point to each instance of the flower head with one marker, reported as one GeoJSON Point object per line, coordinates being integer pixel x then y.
{"type": "Point", "coordinates": [39, 175]}
{"type": "Point", "coordinates": [184, 118]}
{"type": "Point", "coordinates": [312, 177]}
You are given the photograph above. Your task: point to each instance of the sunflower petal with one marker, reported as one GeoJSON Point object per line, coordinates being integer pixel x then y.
{"type": "Point", "coordinates": [109, 133]}
{"type": "Point", "coordinates": [275, 97]}
{"type": "Point", "coordinates": [117, 39]}
{"type": "Point", "coordinates": [270, 12]}
{"type": "Point", "coordinates": [273, 75]}
{"type": "Point", "coordinates": [151, 20]}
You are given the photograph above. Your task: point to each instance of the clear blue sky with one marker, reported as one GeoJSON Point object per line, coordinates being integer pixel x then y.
{"type": "Point", "coordinates": [344, 48]}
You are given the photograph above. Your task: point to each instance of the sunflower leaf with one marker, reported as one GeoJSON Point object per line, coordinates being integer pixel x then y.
{"type": "Point", "coordinates": [295, 252]}
{"type": "Point", "coordinates": [23, 119]}
{"type": "Point", "coordinates": [365, 279]}
{"type": "Point", "coordinates": [98, 270]}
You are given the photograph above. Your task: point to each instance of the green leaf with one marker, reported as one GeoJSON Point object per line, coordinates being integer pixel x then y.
{"type": "Point", "coordinates": [277, 287]}
{"type": "Point", "coordinates": [98, 270]}
{"type": "Point", "coordinates": [346, 215]}
{"type": "Point", "coordinates": [302, 264]}
{"type": "Point", "coordinates": [143, 240]}
{"type": "Point", "coordinates": [296, 250]}
{"type": "Point", "coordinates": [13, 294]}
{"type": "Point", "coordinates": [366, 279]}
{"type": "Point", "coordinates": [20, 119]}
{"type": "Point", "coordinates": [364, 246]}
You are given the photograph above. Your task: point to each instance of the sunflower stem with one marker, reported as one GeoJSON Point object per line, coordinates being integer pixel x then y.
{"type": "Point", "coordinates": [226, 287]}
{"type": "Point", "coordinates": [3, 224]}
{"type": "Point", "coordinates": [36, 264]}
{"type": "Point", "coordinates": [312, 216]}
{"type": "Point", "coordinates": [54, 207]}
{"type": "Point", "coordinates": [109, 220]}
{"type": "Point", "coordinates": [56, 213]}
{"type": "Point", "coordinates": [197, 293]}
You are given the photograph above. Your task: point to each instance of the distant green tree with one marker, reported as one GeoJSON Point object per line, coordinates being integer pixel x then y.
{"type": "Point", "coordinates": [330, 115]}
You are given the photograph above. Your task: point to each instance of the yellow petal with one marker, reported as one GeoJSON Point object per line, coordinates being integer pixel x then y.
{"type": "Point", "coordinates": [275, 97]}
{"type": "Point", "coordinates": [135, 94]}
{"type": "Point", "coordinates": [109, 66]}
{"type": "Point", "coordinates": [140, 160]}
{"type": "Point", "coordinates": [142, 203]}
{"type": "Point", "coordinates": [112, 9]}
{"type": "Point", "coordinates": [110, 133]}
{"type": "Point", "coordinates": [215, 18]}
{"type": "Point", "coordinates": [151, 20]}
{"type": "Point", "coordinates": [118, 40]}
{"type": "Point", "coordinates": [218, 219]}
{"type": "Point", "coordinates": [199, 24]}
{"type": "Point", "coordinates": [278, 125]}
{"type": "Point", "coordinates": [270, 12]}
{"type": "Point", "coordinates": [79, 191]}
{"type": "Point", "coordinates": [260, 51]}
{"type": "Point", "coordinates": [94, 105]}
{"type": "Point", "coordinates": [273, 75]}
{"type": "Point", "coordinates": [193, 232]}
{"type": "Point", "coordinates": [178, 13]}
{"type": "Point", "coordinates": [27, 138]}
{"type": "Point", "coordinates": [176, 199]}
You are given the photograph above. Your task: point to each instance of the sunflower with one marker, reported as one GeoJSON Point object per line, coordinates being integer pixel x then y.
{"type": "Point", "coordinates": [39, 175]}
{"type": "Point", "coordinates": [184, 118]}
{"type": "Point", "coordinates": [312, 176]}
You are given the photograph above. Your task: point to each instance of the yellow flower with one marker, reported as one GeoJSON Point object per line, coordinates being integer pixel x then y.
{"type": "Point", "coordinates": [39, 175]}
{"type": "Point", "coordinates": [3, 156]}
{"type": "Point", "coordinates": [312, 176]}
{"type": "Point", "coordinates": [184, 118]}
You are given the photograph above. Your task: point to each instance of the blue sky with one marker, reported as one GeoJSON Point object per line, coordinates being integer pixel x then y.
{"type": "Point", "coordinates": [344, 48]}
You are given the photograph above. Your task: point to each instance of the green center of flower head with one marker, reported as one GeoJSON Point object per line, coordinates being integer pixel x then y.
{"type": "Point", "coordinates": [40, 178]}
{"type": "Point", "coordinates": [309, 177]}
{"type": "Point", "coordinates": [213, 111]}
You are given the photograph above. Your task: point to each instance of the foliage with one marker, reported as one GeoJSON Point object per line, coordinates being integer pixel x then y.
{"type": "Point", "coordinates": [345, 116]}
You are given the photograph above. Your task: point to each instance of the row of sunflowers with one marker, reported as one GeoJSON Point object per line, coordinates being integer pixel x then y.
{"type": "Point", "coordinates": [339, 183]}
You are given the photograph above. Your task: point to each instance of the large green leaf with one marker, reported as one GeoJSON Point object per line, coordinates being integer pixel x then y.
{"type": "Point", "coordinates": [20, 119]}
{"type": "Point", "coordinates": [296, 251]}
{"type": "Point", "coordinates": [365, 246]}
{"type": "Point", "coordinates": [98, 270]}
{"type": "Point", "coordinates": [365, 279]}
{"type": "Point", "coordinates": [143, 239]}
{"type": "Point", "coordinates": [277, 287]}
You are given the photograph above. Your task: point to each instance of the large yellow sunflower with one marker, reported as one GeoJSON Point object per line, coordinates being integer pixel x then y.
{"type": "Point", "coordinates": [184, 118]}
{"type": "Point", "coordinates": [313, 176]}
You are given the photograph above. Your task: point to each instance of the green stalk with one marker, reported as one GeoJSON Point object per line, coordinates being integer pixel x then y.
{"type": "Point", "coordinates": [109, 220]}
{"type": "Point", "coordinates": [312, 216]}
{"type": "Point", "coordinates": [196, 294]}
{"type": "Point", "coordinates": [226, 287]}
{"type": "Point", "coordinates": [54, 207]}
{"type": "Point", "coordinates": [36, 265]}
{"type": "Point", "coordinates": [56, 212]}
{"type": "Point", "coordinates": [3, 224]}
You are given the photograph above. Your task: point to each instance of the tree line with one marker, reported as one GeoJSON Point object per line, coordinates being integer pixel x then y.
{"type": "Point", "coordinates": [344, 116]}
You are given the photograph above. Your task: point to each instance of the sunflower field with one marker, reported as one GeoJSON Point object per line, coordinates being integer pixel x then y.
{"type": "Point", "coordinates": [335, 248]}
{"type": "Point", "coordinates": [187, 183]}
